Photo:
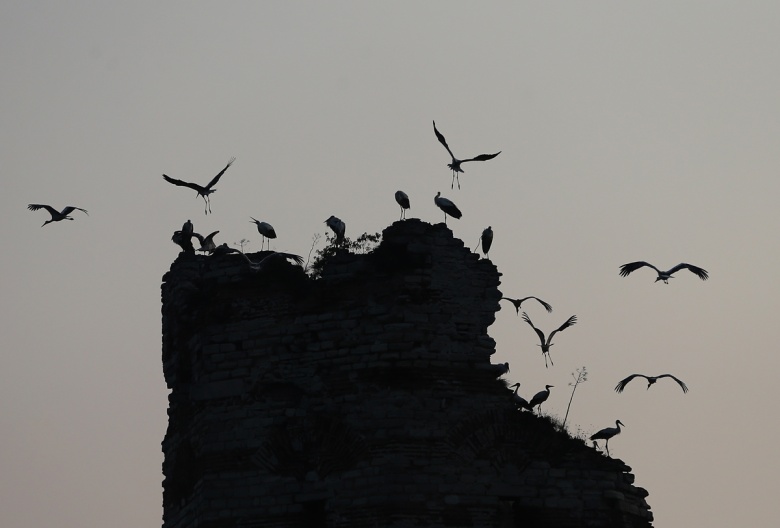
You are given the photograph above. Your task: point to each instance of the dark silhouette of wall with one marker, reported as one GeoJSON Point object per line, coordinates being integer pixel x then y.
{"type": "Point", "coordinates": [364, 398]}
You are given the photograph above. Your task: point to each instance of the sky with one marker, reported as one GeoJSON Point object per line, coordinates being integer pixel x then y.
{"type": "Point", "coordinates": [628, 131]}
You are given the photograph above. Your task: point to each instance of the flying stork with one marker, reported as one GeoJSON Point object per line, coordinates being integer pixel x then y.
{"type": "Point", "coordinates": [447, 206]}
{"type": "Point", "coordinates": [547, 344]}
{"type": "Point", "coordinates": [265, 229]}
{"type": "Point", "coordinates": [521, 402]}
{"type": "Point", "coordinates": [403, 200]}
{"type": "Point", "coordinates": [650, 381]}
{"type": "Point", "coordinates": [606, 434]}
{"type": "Point", "coordinates": [456, 163]}
{"type": "Point", "coordinates": [625, 269]}
{"type": "Point", "coordinates": [539, 398]}
{"type": "Point", "coordinates": [202, 191]}
{"type": "Point", "coordinates": [518, 302]}
{"type": "Point", "coordinates": [56, 216]}
{"type": "Point", "coordinates": [338, 227]}
{"type": "Point", "coordinates": [270, 259]}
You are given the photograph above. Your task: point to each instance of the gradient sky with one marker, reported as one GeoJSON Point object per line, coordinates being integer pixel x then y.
{"type": "Point", "coordinates": [629, 131]}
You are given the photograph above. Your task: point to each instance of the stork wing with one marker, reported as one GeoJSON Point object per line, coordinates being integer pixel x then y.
{"type": "Point", "coordinates": [622, 385]}
{"type": "Point", "coordinates": [181, 183]}
{"type": "Point", "coordinates": [546, 306]}
{"type": "Point", "coordinates": [218, 176]}
{"type": "Point", "coordinates": [69, 209]}
{"type": "Point", "coordinates": [442, 140]}
{"type": "Point", "coordinates": [682, 385]}
{"type": "Point", "coordinates": [199, 237]}
{"type": "Point", "coordinates": [569, 322]}
{"type": "Point", "coordinates": [211, 236]}
{"type": "Point", "coordinates": [52, 210]}
{"type": "Point", "coordinates": [538, 332]}
{"type": "Point", "coordinates": [515, 302]}
{"type": "Point", "coordinates": [699, 272]}
{"type": "Point", "coordinates": [482, 157]}
{"type": "Point", "coordinates": [295, 258]}
{"type": "Point", "coordinates": [625, 269]}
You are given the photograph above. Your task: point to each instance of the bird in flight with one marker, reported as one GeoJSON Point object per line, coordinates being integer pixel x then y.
{"type": "Point", "coordinates": [447, 206]}
{"type": "Point", "coordinates": [547, 344]}
{"type": "Point", "coordinates": [456, 163]}
{"type": "Point", "coordinates": [625, 269]}
{"type": "Point", "coordinates": [403, 200]}
{"type": "Point", "coordinates": [518, 302]}
{"type": "Point", "coordinates": [270, 259]}
{"type": "Point", "coordinates": [650, 381]}
{"type": "Point", "coordinates": [56, 215]}
{"type": "Point", "coordinates": [201, 190]}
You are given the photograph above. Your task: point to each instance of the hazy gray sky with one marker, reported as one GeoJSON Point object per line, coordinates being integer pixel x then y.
{"type": "Point", "coordinates": [628, 131]}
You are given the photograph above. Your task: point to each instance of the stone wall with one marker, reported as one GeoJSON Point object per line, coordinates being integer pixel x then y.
{"type": "Point", "coordinates": [364, 398]}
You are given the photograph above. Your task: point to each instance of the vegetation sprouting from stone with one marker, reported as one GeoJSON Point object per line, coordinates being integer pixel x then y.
{"type": "Point", "coordinates": [362, 245]}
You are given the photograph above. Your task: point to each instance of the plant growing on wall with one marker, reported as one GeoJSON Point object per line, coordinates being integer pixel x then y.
{"type": "Point", "coordinates": [580, 377]}
{"type": "Point", "coordinates": [363, 244]}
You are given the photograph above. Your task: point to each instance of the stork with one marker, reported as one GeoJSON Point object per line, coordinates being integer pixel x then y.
{"type": "Point", "coordinates": [521, 402]}
{"type": "Point", "coordinates": [487, 240]}
{"type": "Point", "coordinates": [224, 249]}
{"type": "Point", "coordinates": [518, 302]}
{"type": "Point", "coordinates": [547, 344]}
{"type": "Point", "coordinates": [207, 244]}
{"type": "Point", "coordinates": [650, 381]}
{"type": "Point", "coordinates": [456, 163]}
{"type": "Point", "coordinates": [187, 228]}
{"type": "Point", "coordinates": [270, 259]}
{"type": "Point", "coordinates": [184, 241]}
{"type": "Point", "coordinates": [447, 206]}
{"type": "Point", "coordinates": [201, 190]}
{"type": "Point", "coordinates": [338, 227]}
{"type": "Point", "coordinates": [403, 200]}
{"type": "Point", "coordinates": [56, 215]}
{"type": "Point", "coordinates": [539, 398]}
{"type": "Point", "coordinates": [265, 229]}
{"type": "Point", "coordinates": [606, 434]}
{"type": "Point", "coordinates": [625, 269]}
{"type": "Point", "coordinates": [501, 368]}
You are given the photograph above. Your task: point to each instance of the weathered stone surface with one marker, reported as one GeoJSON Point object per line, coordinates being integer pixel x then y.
{"type": "Point", "coordinates": [364, 398]}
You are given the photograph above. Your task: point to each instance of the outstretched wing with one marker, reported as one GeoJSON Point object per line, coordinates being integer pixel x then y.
{"type": "Point", "coordinates": [69, 209]}
{"type": "Point", "coordinates": [181, 183]}
{"type": "Point", "coordinates": [699, 272]}
{"type": "Point", "coordinates": [295, 258]}
{"type": "Point", "coordinates": [682, 385]}
{"type": "Point", "coordinates": [625, 269]}
{"type": "Point", "coordinates": [35, 207]}
{"type": "Point", "coordinates": [622, 385]}
{"type": "Point", "coordinates": [200, 237]}
{"type": "Point", "coordinates": [218, 176]}
{"type": "Point", "coordinates": [442, 140]}
{"type": "Point", "coordinates": [538, 332]}
{"type": "Point", "coordinates": [546, 306]}
{"type": "Point", "coordinates": [569, 322]}
{"type": "Point", "coordinates": [482, 157]}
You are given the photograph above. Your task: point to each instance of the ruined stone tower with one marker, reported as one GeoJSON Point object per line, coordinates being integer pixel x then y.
{"type": "Point", "coordinates": [364, 398]}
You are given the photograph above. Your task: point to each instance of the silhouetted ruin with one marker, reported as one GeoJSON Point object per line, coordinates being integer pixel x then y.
{"type": "Point", "coordinates": [363, 398]}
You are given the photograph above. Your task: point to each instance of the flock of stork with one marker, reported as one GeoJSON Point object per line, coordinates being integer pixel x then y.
{"type": "Point", "coordinates": [184, 237]}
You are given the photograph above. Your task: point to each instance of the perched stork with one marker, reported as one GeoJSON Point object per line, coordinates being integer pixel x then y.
{"type": "Point", "coordinates": [207, 244]}
{"type": "Point", "coordinates": [56, 215]}
{"type": "Point", "coordinates": [456, 163]}
{"type": "Point", "coordinates": [224, 249]}
{"type": "Point", "coordinates": [521, 402]}
{"type": "Point", "coordinates": [202, 191]}
{"type": "Point", "coordinates": [447, 206]}
{"type": "Point", "coordinates": [187, 228]}
{"type": "Point", "coordinates": [625, 269]}
{"type": "Point", "coordinates": [650, 381]}
{"type": "Point", "coordinates": [184, 241]}
{"type": "Point", "coordinates": [487, 240]}
{"type": "Point", "coordinates": [338, 227]}
{"type": "Point", "coordinates": [403, 200]}
{"type": "Point", "coordinates": [547, 344]}
{"type": "Point", "coordinates": [539, 398]}
{"type": "Point", "coordinates": [606, 434]}
{"type": "Point", "coordinates": [518, 302]}
{"type": "Point", "coordinates": [272, 258]}
{"type": "Point", "coordinates": [265, 229]}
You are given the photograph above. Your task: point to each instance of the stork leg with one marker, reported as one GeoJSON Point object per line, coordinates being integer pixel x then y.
{"type": "Point", "coordinates": [607, 446]}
